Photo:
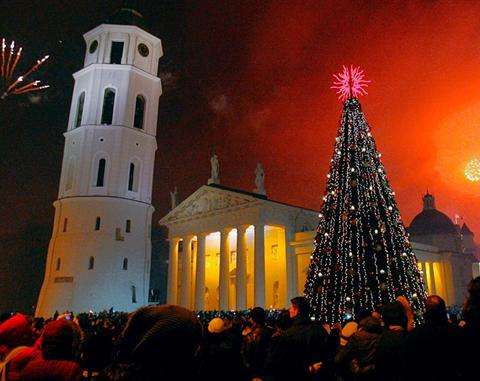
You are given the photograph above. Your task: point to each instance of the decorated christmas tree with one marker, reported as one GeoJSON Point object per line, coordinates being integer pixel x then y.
{"type": "Point", "coordinates": [362, 256]}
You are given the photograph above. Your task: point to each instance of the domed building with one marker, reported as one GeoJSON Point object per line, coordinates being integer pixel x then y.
{"type": "Point", "coordinates": [232, 249]}
{"type": "Point", "coordinates": [445, 252]}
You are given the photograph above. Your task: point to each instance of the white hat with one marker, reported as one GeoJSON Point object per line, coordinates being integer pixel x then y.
{"type": "Point", "coordinates": [216, 325]}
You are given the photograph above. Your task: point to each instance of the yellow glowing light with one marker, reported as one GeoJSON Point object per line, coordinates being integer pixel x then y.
{"type": "Point", "coordinates": [472, 170]}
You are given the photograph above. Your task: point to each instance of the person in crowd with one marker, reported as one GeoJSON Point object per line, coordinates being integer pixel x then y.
{"type": "Point", "coordinates": [219, 356]}
{"type": "Point", "coordinates": [256, 342]}
{"type": "Point", "coordinates": [15, 332]}
{"type": "Point", "coordinates": [282, 323]}
{"type": "Point", "coordinates": [436, 341]}
{"type": "Point", "coordinates": [158, 343]}
{"type": "Point", "coordinates": [471, 331]}
{"type": "Point", "coordinates": [55, 356]}
{"type": "Point", "coordinates": [298, 348]}
{"type": "Point", "coordinates": [389, 365]}
{"type": "Point", "coordinates": [356, 361]}
{"type": "Point", "coordinates": [16, 337]}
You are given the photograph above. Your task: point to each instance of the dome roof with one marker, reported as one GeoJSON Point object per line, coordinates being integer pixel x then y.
{"type": "Point", "coordinates": [431, 221]}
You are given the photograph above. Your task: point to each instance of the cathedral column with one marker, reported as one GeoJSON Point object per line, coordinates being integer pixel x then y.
{"type": "Point", "coordinates": [173, 271]}
{"type": "Point", "coordinates": [291, 262]}
{"type": "Point", "coordinates": [224, 276]}
{"type": "Point", "coordinates": [241, 275]}
{"type": "Point", "coordinates": [432, 275]}
{"type": "Point", "coordinates": [200, 277]}
{"type": "Point", "coordinates": [186, 271]}
{"type": "Point", "coordinates": [259, 265]}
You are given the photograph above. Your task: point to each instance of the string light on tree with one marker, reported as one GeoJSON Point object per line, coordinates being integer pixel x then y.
{"type": "Point", "coordinates": [361, 247]}
{"type": "Point", "coordinates": [10, 84]}
{"type": "Point", "coordinates": [472, 170]}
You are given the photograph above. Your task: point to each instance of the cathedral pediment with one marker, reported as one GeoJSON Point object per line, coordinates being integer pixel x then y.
{"type": "Point", "coordinates": [207, 201]}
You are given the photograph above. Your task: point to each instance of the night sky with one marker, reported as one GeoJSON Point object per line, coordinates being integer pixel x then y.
{"type": "Point", "coordinates": [252, 78]}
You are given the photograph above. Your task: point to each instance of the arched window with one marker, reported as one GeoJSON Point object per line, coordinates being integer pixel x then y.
{"type": "Point", "coordinates": [97, 223]}
{"type": "Point", "coordinates": [131, 177]}
{"type": "Point", "coordinates": [134, 294]}
{"type": "Point", "coordinates": [101, 172]}
{"type": "Point", "coordinates": [70, 173]}
{"type": "Point", "coordinates": [139, 112]}
{"type": "Point", "coordinates": [57, 266]}
{"type": "Point", "coordinates": [125, 263]}
{"type": "Point", "coordinates": [78, 118]}
{"type": "Point", "coordinates": [65, 223]}
{"type": "Point", "coordinates": [108, 103]}
{"type": "Point", "coordinates": [91, 263]}
{"type": "Point", "coordinates": [128, 226]}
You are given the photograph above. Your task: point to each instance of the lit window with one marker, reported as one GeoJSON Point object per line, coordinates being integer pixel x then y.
{"type": "Point", "coordinates": [78, 118]}
{"type": "Point", "coordinates": [117, 52]}
{"type": "Point", "coordinates": [125, 263]}
{"type": "Point", "coordinates": [91, 263]}
{"type": "Point", "coordinates": [128, 226]}
{"type": "Point", "coordinates": [139, 112]}
{"type": "Point", "coordinates": [108, 103]}
{"type": "Point", "coordinates": [101, 172]}
{"type": "Point", "coordinates": [97, 223]}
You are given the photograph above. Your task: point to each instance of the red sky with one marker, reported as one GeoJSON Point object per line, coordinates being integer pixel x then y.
{"type": "Point", "coordinates": [252, 79]}
{"type": "Point", "coordinates": [423, 103]}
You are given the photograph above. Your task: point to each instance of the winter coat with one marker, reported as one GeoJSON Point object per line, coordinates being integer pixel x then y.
{"type": "Point", "coordinates": [219, 358]}
{"type": "Point", "coordinates": [255, 349]}
{"type": "Point", "coordinates": [432, 352]}
{"type": "Point", "coordinates": [389, 357]}
{"type": "Point", "coordinates": [293, 351]}
{"type": "Point", "coordinates": [357, 358]}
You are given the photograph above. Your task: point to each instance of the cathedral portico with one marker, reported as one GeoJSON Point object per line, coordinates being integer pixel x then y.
{"type": "Point", "coordinates": [236, 253]}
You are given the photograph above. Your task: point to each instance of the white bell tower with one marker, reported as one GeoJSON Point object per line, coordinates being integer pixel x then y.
{"type": "Point", "coordinates": [99, 253]}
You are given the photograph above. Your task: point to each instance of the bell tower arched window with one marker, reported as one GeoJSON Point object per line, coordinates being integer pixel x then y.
{"type": "Point", "coordinates": [101, 172]}
{"type": "Point", "coordinates": [108, 105]}
{"type": "Point", "coordinates": [131, 177]}
{"type": "Point", "coordinates": [139, 112]}
{"type": "Point", "coordinates": [91, 263]}
{"type": "Point", "coordinates": [80, 103]}
{"type": "Point", "coordinates": [70, 174]}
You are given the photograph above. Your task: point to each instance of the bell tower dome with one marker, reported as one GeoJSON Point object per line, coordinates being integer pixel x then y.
{"type": "Point", "coordinates": [99, 253]}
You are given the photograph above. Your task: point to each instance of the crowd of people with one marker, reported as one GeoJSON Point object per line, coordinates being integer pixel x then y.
{"type": "Point", "coordinates": [167, 342]}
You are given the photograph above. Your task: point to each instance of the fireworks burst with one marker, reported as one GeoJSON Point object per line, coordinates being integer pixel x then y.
{"type": "Point", "coordinates": [10, 84]}
{"type": "Point", "coordinates": [350, 83]}
{"type": "Point", "coordinates": [472, 170]}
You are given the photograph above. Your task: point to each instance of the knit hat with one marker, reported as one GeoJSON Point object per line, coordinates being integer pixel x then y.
{"type": "Point", "coordinates": [347, 331]}
{"type": "Point", "coordinates": [59, 340]}
{"type": "Point", "coordinates": [216, 325]}
{"type": "Point", "coordinates": [160, 335]}
{"type": "Point", "coordinates": [15, 332]}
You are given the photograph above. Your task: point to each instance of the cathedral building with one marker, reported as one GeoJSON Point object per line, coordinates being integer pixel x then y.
{"type": "Point", "coordinates": [232, 249]}
{"type": "Point", "coordinates": [99, 252]}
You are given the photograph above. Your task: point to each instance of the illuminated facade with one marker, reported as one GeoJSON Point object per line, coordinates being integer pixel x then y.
{"type": "Point", "coordinates": [99, 253]}
{"type": "Point", "coordinates": [445, 253]}
{"type": "Point", "coordinates": [217, 261]}
{"type": "Point", "coordinates": [231, 249]}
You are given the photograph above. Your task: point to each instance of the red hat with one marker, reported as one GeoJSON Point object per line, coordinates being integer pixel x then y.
{"type": "Point", "coordinates": [59, 340]}
{"type": "Point", "coordinates": [15, 332]}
